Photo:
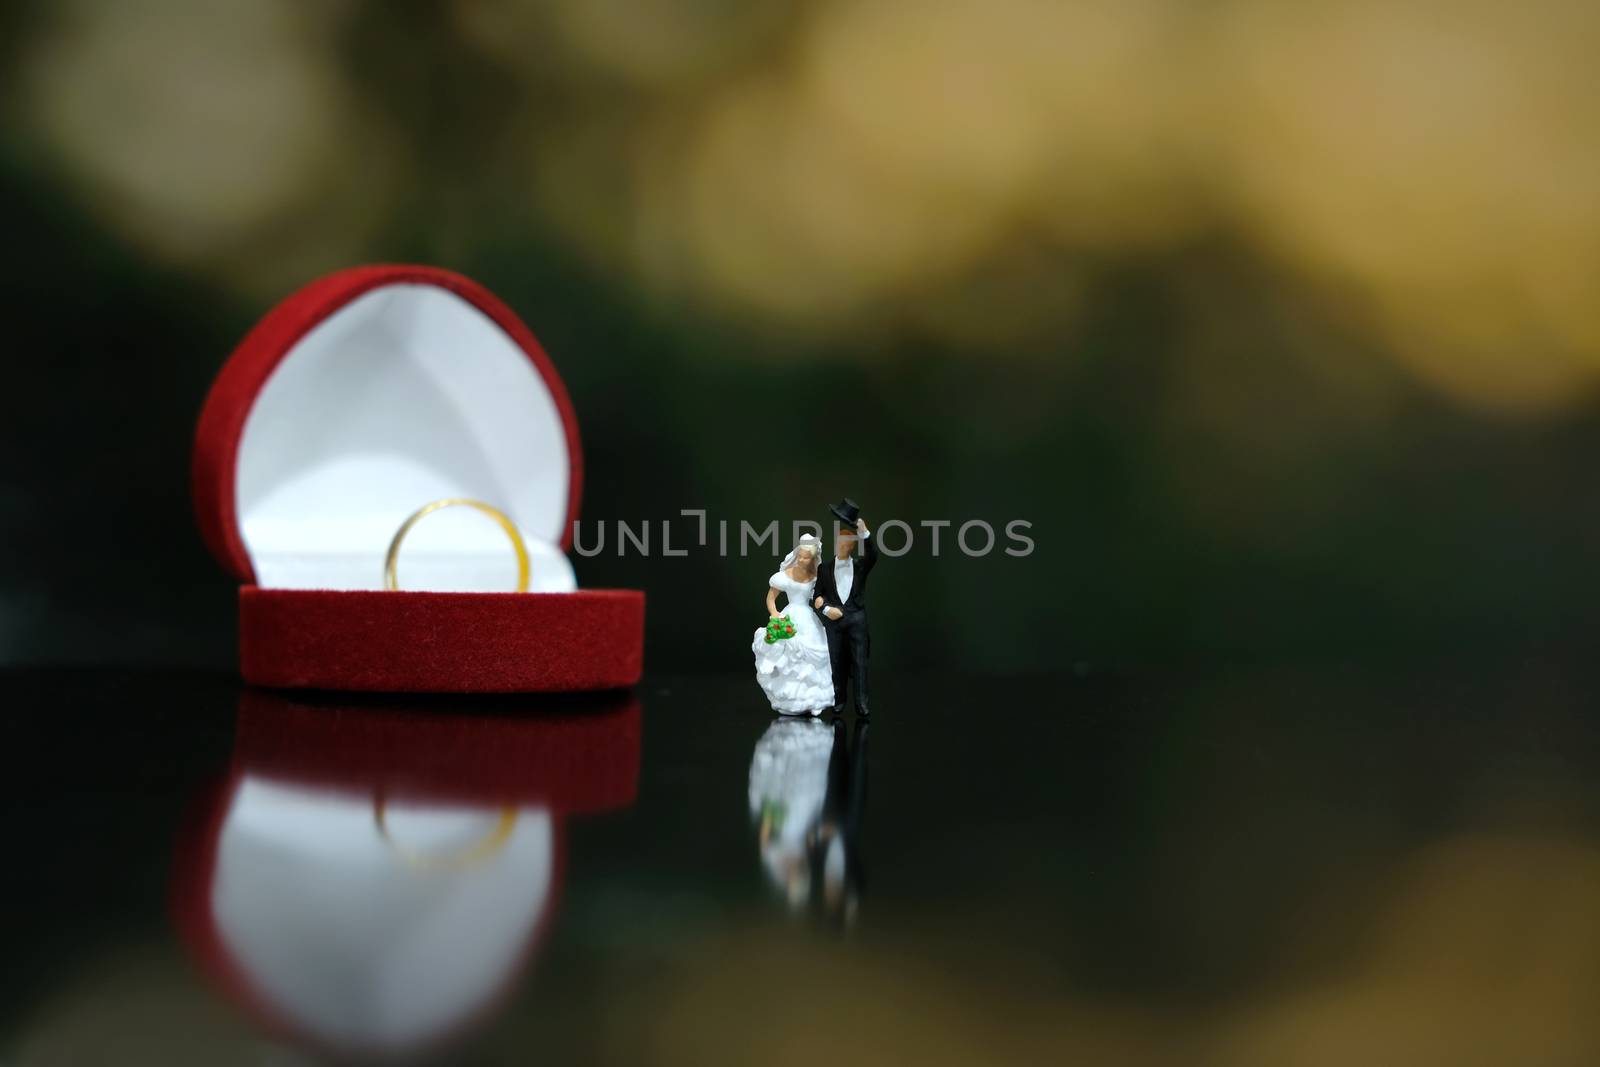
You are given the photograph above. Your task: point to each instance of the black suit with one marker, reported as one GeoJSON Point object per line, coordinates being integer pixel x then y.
{"type": "Point", "coordinates": [849, 640]}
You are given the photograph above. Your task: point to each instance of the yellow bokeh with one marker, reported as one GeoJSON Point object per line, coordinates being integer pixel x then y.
{"type": "Point", "coordinates": [962, 169]}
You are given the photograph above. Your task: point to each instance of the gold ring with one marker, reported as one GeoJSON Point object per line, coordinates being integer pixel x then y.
{"type": "Point", "coordinates": [391, 579]}
{"type": "Point", "coordinates": [491, 843]}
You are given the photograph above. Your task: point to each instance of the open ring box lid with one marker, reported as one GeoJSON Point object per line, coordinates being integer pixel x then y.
{"type": "Point", "coordinates": [354, 402]}
{"type": "Point", "coordinates": [371, 879]}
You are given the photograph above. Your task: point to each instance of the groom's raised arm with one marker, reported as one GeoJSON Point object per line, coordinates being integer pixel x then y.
{"type": "Point", "coordinates": [869, 542]}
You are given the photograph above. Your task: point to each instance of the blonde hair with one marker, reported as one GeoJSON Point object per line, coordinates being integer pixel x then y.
{"type": "Point", "coordinates": [806, 558]}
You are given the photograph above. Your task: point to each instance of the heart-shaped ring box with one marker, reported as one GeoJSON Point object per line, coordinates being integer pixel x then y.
{"type": "Point", "coordinates": [357, 400]}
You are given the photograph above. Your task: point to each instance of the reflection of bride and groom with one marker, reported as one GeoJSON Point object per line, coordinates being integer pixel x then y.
{"type": "Point", "coordinates": [808, 663]}
{"type": "Point", "coordinates": [808, 794]}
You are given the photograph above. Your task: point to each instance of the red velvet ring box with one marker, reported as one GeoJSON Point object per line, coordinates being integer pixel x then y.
{"type": "Point", "coordinates": [362, 397]}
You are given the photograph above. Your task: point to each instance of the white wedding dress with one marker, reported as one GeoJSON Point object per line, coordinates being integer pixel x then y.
{"type": "Point", "coordinates": [795, 673]}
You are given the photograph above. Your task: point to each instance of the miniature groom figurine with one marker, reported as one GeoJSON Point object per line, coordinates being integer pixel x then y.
{"type": "Point", "coordinates": [841, 600]}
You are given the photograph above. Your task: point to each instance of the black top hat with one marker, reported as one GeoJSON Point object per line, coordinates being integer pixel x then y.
{"type": "Point", "coordinates": [846, 510]}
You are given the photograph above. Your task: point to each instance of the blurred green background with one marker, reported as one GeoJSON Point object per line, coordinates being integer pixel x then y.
{"type": "Point", "coordinates": [1279, 322]}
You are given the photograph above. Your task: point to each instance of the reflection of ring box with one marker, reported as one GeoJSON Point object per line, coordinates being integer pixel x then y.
{"type": "Point", "coordinates": [355, 401]}
{"type": "Point", "coordinates": [372, 879]}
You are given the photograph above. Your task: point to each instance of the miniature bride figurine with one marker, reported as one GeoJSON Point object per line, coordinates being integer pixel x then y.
{"type": "Point", "coordinates": [791, 651]}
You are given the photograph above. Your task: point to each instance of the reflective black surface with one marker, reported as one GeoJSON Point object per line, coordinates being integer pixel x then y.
{"type": "Point", "coordinates": [1295, 865]}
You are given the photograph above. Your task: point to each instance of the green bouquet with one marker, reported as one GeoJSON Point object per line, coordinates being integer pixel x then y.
{"type": "Point", "coordinates": [779, 628]}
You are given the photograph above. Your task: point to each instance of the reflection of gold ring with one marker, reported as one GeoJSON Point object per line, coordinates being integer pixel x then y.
{"type": "Point", "coordinates": [391, 579]}
{"type": "Point", "coordinates": [492, 842]}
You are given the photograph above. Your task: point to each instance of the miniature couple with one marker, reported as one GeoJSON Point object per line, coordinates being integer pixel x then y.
{"type": "Point", "coordinates": [808, 658]}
